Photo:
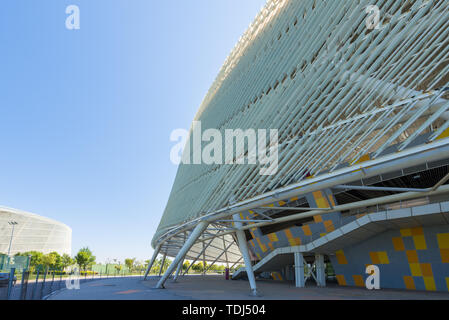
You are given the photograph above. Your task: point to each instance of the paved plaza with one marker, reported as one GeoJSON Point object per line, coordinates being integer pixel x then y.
{"type": "Point", "coordinates": [216, 288]}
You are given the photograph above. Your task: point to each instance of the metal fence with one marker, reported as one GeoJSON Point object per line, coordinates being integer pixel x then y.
{"type": "Point", "coordinates": [25, 285]}
{"type": "Point", "coordinates": [17, 262]}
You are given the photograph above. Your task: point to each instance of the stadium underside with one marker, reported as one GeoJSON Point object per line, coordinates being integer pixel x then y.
{"type": "Point", "coordinates": [363, 173]}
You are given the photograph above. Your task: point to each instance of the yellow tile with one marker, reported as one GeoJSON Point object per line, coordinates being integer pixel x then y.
{"type": "Point", "coordinates": [318, 219]}
{"type": "Point", "coordinates": [383, 257]}
{"type": "Point", "coordinates": [426, 269]}
{"type": "Point", "coordinates": [409, 283]}
{"type": "Point", "coordinates": [341, 280]}
{"type": "Point", "coordinates": [320, 200]}
{"type": "Point", "coordinates": [412, 256]}
{"type": "Point", "coordinates": [294, 242]}
{"type": "Point", "coordinates": [317, 194]}
{"type": "Point", "coordinates": [398, 244]}
{"type": "Point", "coordinates": [443, 240]}
{"type": "Point", "coordinates": [341, 258]}
{"type": "Point", "coordinates": [420, 242]}
{"type": "Point", "coordinates": [415, 269]}
{"type": "Point", "coordinates": [429, 283]}
{"type": "Point", "coordinates": [365, 158]}
{"type": "Point", "coordinates": [322, 203]}
{"type": "Point", "coordinates": [273, 237]}
{"type": "Point", "coordinates": [445, 255]}
{"type": "Point", "coordinates": [288, 233]}
{"type": "Point", "coordinates": [271, 246]}
{"type": "Point", "coordinates": [294, 199]}
{"type": "Point", "coordinates": [445, 134]}
{"type": "Point", "coordinates": [406, 232]}
{"type": "Point", "coordinates": [282, 203]}
{"type": "Point", "coordinates": [261, 245]}
{"type": "Point", "coordinates": [447, 283]}
{"type": "Point", "coordinates": [358, 280]}
{"type": "Point", "coordinates": [307, 230]}
{"type": "Point", "coordinates": [331, 199]}
{"type": "Point", "coordinates": [374, 258]}
{"type": "Point", "coordinates": [329, 225]}
{"type": "Point", "coordinates": [417, 231]}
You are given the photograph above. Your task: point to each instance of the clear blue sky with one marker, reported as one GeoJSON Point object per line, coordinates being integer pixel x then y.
{"type": "Point", "coordinates": [86, 115]}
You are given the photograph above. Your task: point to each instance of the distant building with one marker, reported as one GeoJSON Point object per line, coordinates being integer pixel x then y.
{"type": "Point", "coordinates": [32, 233]}
{"type": "Point", "coordinates": [358, 92]}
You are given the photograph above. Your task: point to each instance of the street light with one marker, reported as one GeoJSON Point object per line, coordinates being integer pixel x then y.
{"type": "Point", "coordinates": [13, 224]}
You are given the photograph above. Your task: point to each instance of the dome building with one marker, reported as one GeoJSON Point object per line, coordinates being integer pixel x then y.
{"type": "Point", "coordinates": [32, 233]}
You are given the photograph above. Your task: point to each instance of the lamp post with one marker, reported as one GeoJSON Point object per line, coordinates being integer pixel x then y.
{"type": "Point", "coordinates": [13, 224]}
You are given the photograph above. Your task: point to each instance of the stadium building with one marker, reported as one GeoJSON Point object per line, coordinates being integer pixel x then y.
{"type": "Point", "coordinates": [358, 93]}
{"type": "Point", "coordinates": [22, 232]}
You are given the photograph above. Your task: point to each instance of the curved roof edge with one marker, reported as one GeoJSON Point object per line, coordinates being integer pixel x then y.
{"type": "Point", "coordinates": [33, 215]}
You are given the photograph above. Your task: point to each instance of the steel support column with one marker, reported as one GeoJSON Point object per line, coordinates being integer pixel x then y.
{"type": "Point", "coordinates": [241, 238]}
{"type": "Point", "coordinates": [162, 263]}
{"type": "Point", "coordinates": [218, 258]}
{"type": "Point", "coordinates": [196, 233]}
{"type": "Point", "coordinates": [238, 261]}
{"type": "Point", "coordinates": [178, 270]}
{"type": "Point", "coordinates": [150, 265]}
{"type": "Point", "coordinates": [320, 270]}
{"type": "Point", "coordinates": [204, 259]}
{"type": "Point", "coordinates": [299, 270]}
{"type": "Point", "coordinates": [226, 253]}
{"type": "Point", "coordinates": [199, 255]}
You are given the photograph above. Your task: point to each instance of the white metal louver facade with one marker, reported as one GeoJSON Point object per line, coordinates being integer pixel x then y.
{"type": "Point", "coordinates": [336, 92]}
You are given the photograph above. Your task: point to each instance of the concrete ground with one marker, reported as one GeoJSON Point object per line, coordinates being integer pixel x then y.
{"type": "Point", "coordinates": [216, 288]}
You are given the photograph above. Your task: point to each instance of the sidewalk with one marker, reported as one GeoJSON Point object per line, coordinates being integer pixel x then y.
{"type": "Point", "coordinates": [216, 288]}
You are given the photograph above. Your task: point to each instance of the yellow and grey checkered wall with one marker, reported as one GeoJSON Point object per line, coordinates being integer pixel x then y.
{"type": "Point", "coordinates": [261, 245]}
{"type": "Point", "coordinates": [412, 259]}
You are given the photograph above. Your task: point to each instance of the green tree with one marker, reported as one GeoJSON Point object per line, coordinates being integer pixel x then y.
{"type": "Point", "coordinates": [36, 259]}
{"type": "Point", "coordinates": [198, 267]}
{"type": "Point", "coordinates": [48, 260]}
{"type": "Point", "coordinates": [84, 258]}
{"type": "Point", "coordinates": [202, 267]}
{"type": "Point", "coordinates": [66, 261]}
{"type": "Point", "coordinates": [57, 265]}
{"type": "Point", "coordinates": [130, 263]}
{"type": "Point", "coordinates": [166, 265]}
{"type": "Point", "coordinates": [213, 268]}
{"type": "Point", "coordinates": [157, 265]}
{"type": "Point", "coordinates": [139, 266]}
{"type": "Point", "coordinates": [185, 265]}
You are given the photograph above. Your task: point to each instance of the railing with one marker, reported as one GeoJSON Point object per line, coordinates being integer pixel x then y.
{"type": "Point", "coordinates": [29, 286]}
